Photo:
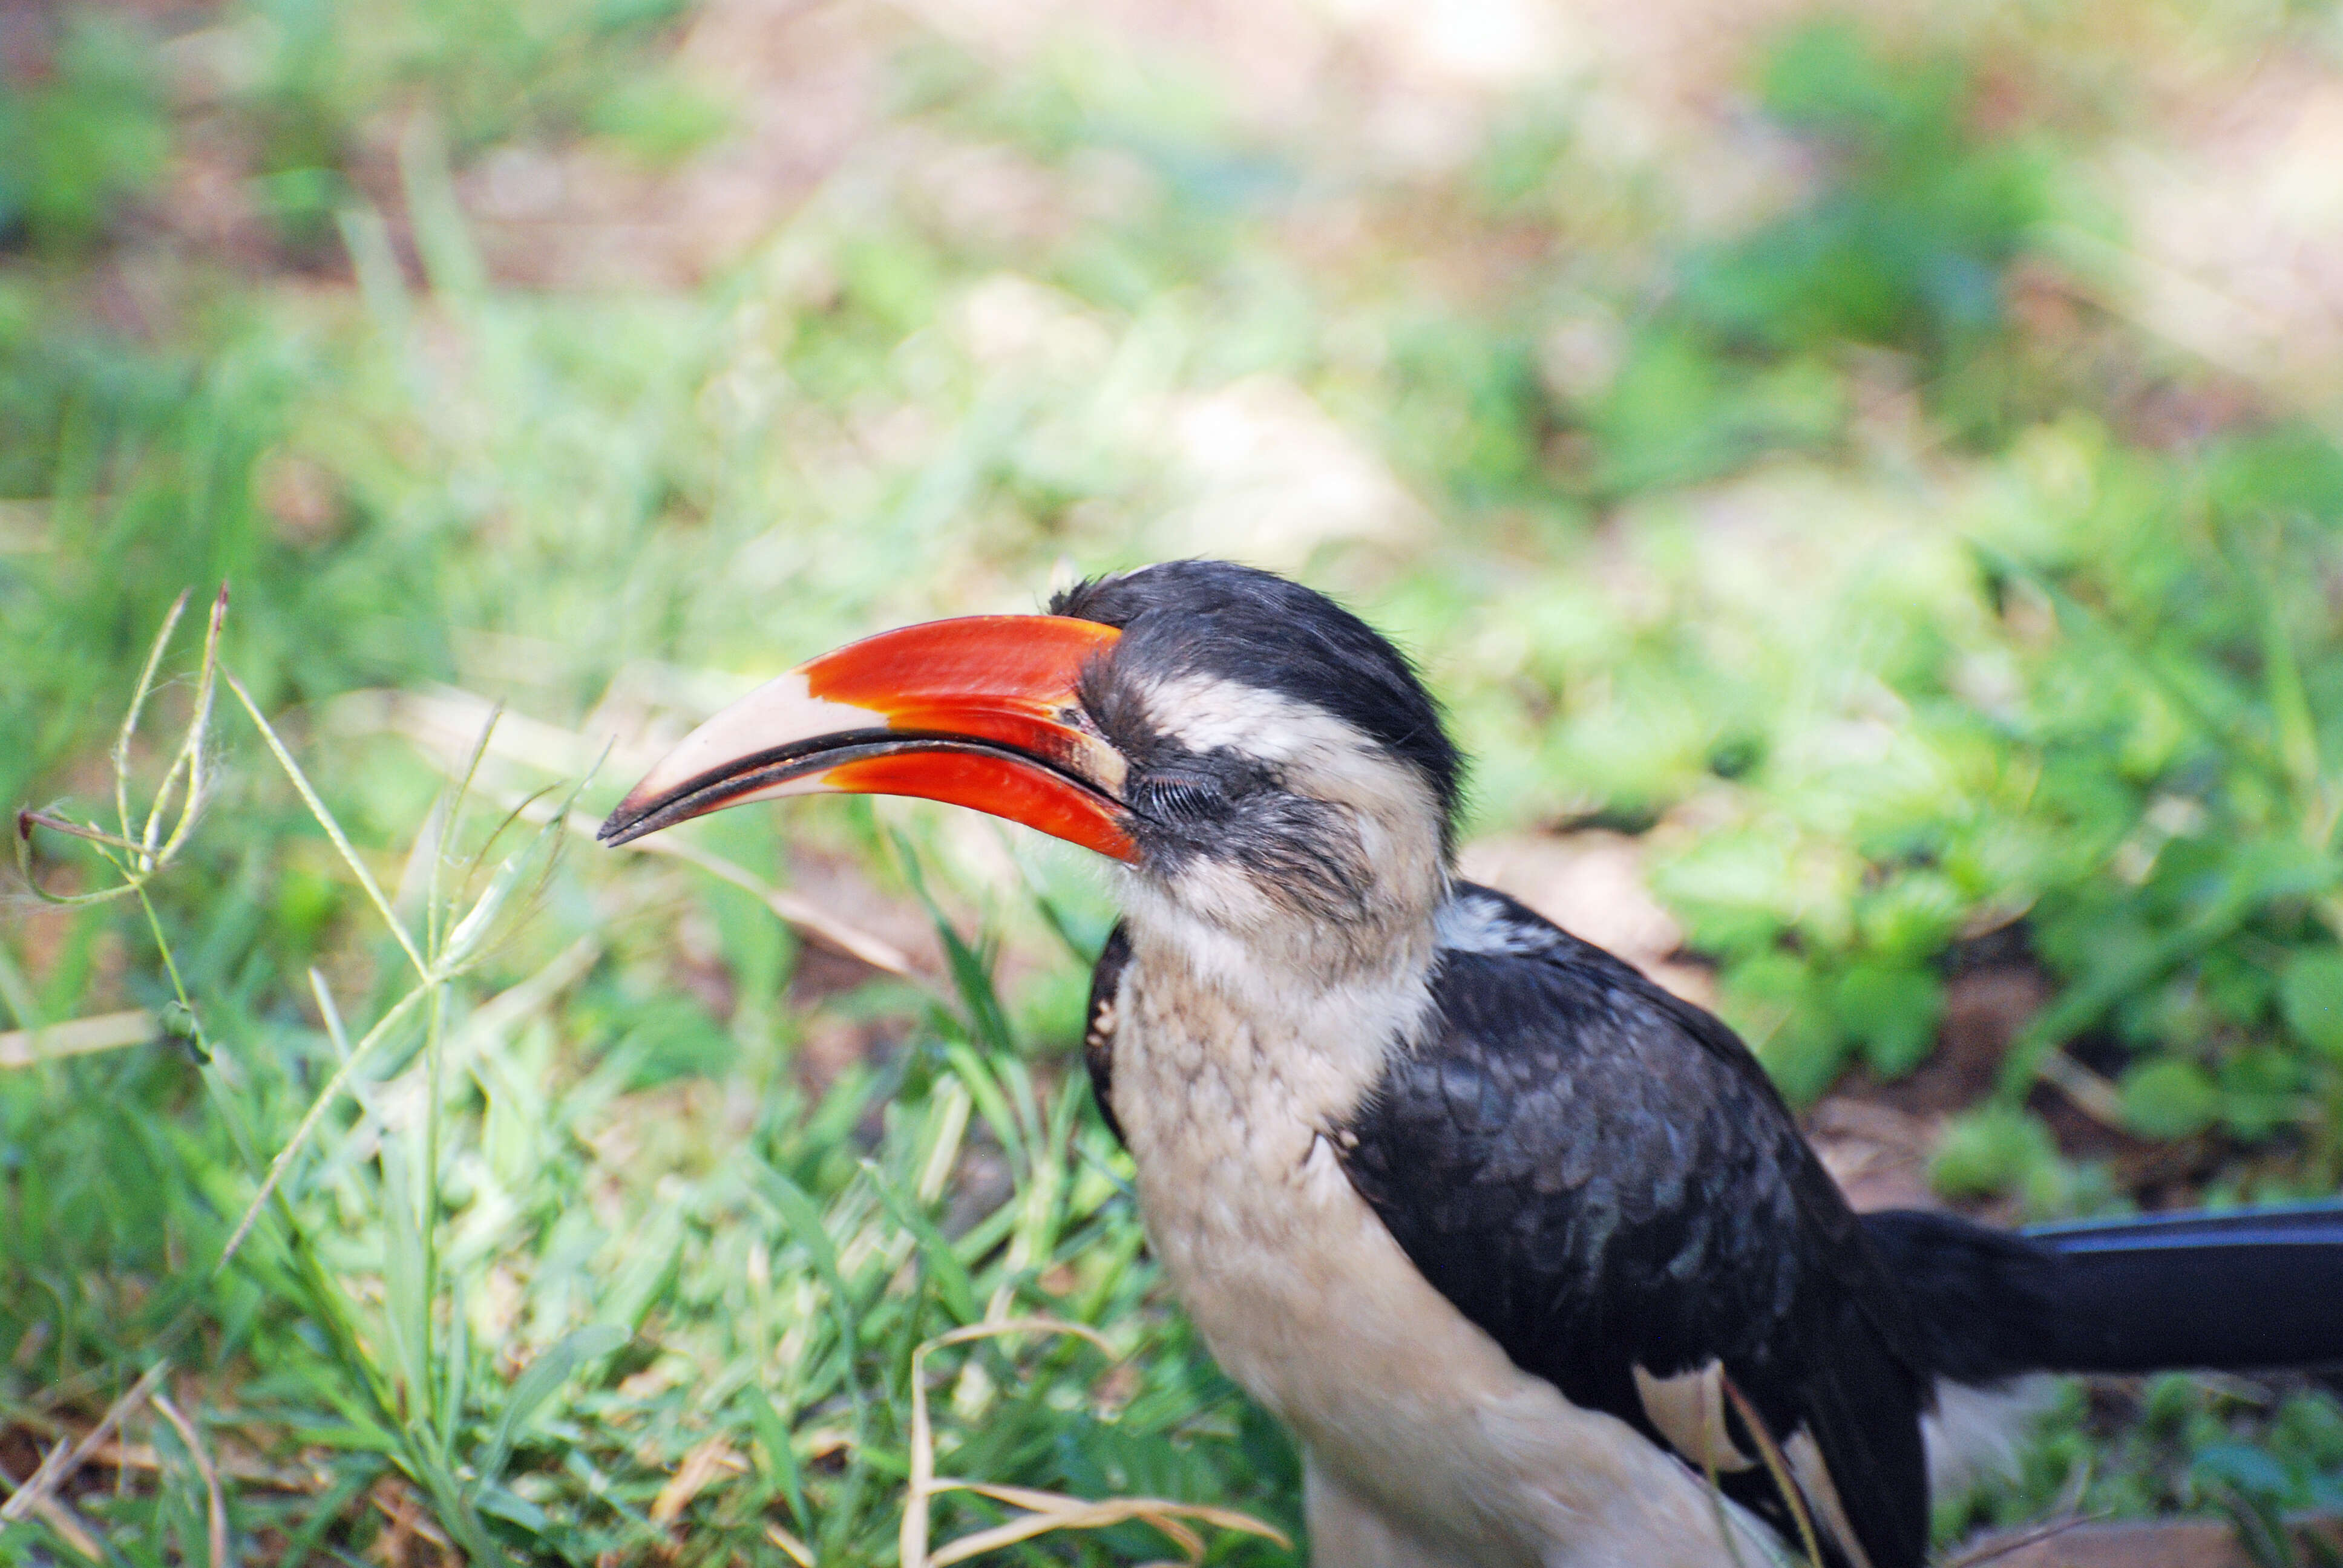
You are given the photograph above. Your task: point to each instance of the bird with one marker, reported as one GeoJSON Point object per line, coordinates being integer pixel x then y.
{"type": "Point", "coordinates": [1526, 1252]}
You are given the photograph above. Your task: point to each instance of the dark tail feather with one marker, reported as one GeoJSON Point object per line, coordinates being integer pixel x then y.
{"type": "Point", "coordinates": [2254, 1288]}
{"type": "Point", "coordinates": [2232, 1291]}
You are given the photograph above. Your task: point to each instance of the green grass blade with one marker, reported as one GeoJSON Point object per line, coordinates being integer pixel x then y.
{"type": "Point", "coordinates": [333, 829]}
{"type": "Point", "coordinates": [944, 1267]}
{"type": "Point", "coordinates": [537, 1383]}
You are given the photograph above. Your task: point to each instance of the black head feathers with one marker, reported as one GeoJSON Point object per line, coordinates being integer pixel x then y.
{"type": "Point", "coordinates": [1255, 628]}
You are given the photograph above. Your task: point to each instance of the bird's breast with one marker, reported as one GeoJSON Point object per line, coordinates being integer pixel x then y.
{"type": "Point", "coordinates": [1308, 1302]}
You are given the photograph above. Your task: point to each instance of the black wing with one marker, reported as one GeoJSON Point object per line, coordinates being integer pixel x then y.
{"type": "Point", "coordinates": [1099, 1021]}
{"type": "Point", "coordinates": [1601, 1176]}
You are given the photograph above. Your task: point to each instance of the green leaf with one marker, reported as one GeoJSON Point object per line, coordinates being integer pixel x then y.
{"type": "Point", "coordinates": [780, 1456]}
{"type": "Point", "coordinates": [2261, 1089]}
{"type": "Point", "coordinates": [803, 1218]}
{"type": "Point", "coordinates": [984, 1088]}
{"type": "Point", "coordinates": [798, 1212]}
{"type": "Point", "coordinates": [646, 1273]}
{"type": "Point", "coordinates": [1892, 1010]}
{"type": "Point", "coordinates": [1993, 1149]}
{"type": "Point", "coordinates": [500, 1503]}
{"type": "Point", "coordinates": [2242, 1466]}
{"type": "Point", "coordinates": [1804, 1057]}
{"type": "Point", "coordinates": [2311, 995]}
{"type": "Point", "coordinates": [950, 1275]}
{"type": "Point", "coordinates": [406, 1279]}
{"type": "Point", "coordinates": [2170, 1098]}
{"type": "Point", "coordinates": [536, 1384]}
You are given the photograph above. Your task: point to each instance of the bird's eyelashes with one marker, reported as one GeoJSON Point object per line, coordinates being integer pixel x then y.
{"type": "Point", "coordinates": [1178, 797]}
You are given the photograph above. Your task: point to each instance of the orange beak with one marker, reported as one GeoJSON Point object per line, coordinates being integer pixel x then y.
{"type": "Point", "coordinates": [979, 711]}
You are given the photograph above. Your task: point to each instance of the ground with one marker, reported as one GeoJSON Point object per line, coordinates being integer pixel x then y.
{"type": "Point", "coordinates": [1865, 483]}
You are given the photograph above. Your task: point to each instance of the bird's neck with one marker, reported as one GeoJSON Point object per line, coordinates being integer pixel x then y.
{"type": "Point", "coordinates": [1293, 975]}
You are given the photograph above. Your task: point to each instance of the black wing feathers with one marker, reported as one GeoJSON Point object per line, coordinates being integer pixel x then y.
{"type": "Point", "coordinates": [1098, 1023]}
{"type": "Point", "coordinates": [1601, 1176]}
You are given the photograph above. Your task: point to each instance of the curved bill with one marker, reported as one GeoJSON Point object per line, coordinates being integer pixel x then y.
{"type": "Point", "coordinates": [979, 711]}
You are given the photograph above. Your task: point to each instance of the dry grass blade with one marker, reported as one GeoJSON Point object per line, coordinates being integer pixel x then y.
{"type": "Point", "coordinates": [121, 1455]}
{"type": "Point", "coordinates": [1717, 1499]}
{"type": "Point", "coordinates": [802, 913]}
{"type": "Point", "coordinates": [799, 1553]}
{"type": "Point", "coordinates": [444, 719]}
{"type": "Point", "coordinates": [2091, 1093]}
{"type": "Point", "coordinates": [1993, 1550]}
{"type": "Point", "coordinates": [1778, 1467]}
{"type": "Point", "coordinates": [102, 1032]}
{"type": "Point", "coordinates": [1050, 1511]}
{"type": "Point", "coordinates": [701, 1465]}
{"type": "Point", "coordinates": [1078, 1515]}
{"type": "Point", "coordinates": [69, 1528]}
{"type": "Point", "coordinates": [215, 1508]}
{"type": "Point", "coordinates": [73, 829]}
{"type": "Point", "coordinates": [62, 1462]}
{"type": "Point", "coordinates": [437, 721]}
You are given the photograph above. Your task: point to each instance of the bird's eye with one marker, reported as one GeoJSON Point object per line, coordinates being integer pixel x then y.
{"type": "Point", "coordinates": [1178, 795]}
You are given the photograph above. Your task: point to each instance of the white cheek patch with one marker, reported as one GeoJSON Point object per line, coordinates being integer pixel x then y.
{"type": "Point", "coordinates": [1318, 754]}
{"type": "Point", "coordinates": [1235, 917]}
{"type": "Point", "coordinates": [1206, 713]}
{"type": "Point", "coordinates": [1222, 892]}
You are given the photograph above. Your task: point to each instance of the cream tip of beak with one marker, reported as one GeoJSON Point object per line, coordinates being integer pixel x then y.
{"type": "Point", "coordinates": [780, 711]}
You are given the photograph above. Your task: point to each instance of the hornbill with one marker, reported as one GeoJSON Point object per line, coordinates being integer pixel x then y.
{"type": "Point", "coordinates": [1525, 1250]}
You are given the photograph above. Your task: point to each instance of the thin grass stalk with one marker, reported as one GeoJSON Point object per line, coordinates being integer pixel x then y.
{"type": "Point", "coordinates": [141, 855]}
{"type": "Point", "coordinates": [317, 1108]}
{"type": "Point", "coordinates": [1731, 1537]}
{"type": "Point", "coordinates": [1048, 1510]}
{"type": "Point", "coordinates": [450, 812]}
{"type": "Point", "coordinates": [426, 1215]}
{"type": "Point", "coordinates": [1778, 1467]}
{"type": "Point", "coordinates": [333, 829]}
{"type": "Point", "coordinates": [795, 1549]}
{"type": "Point", "coordinates": [192, 749]}
{"type": "Point", "coordinates": [129, 730]}
{"type": "Point", "coordinates": [215, 1506]}
{"type": "Point", "coordinates": [331, 1015]}
{"type": "Point", "coordinates": [62, 1462]}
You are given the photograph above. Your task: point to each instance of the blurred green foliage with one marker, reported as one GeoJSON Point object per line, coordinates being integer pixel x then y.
{"type": "Point", "coordinates": [1915, 219]}
{"type": "Point", "coordinates": [90, 137]}
{"type": "Point", "coordinates": [1860, 594]}
{"type": "Point", "coordinates": [2169, 1443]}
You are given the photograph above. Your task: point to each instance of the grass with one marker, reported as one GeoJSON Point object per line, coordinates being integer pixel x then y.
{"type": "Point", "coordinates": [420, 1275]}
{"type": "Point", "coordinates": [469, 1190]}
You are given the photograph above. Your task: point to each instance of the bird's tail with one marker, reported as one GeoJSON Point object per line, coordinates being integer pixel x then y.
{"type": "Point", "coordinates": [2253, 1288]}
